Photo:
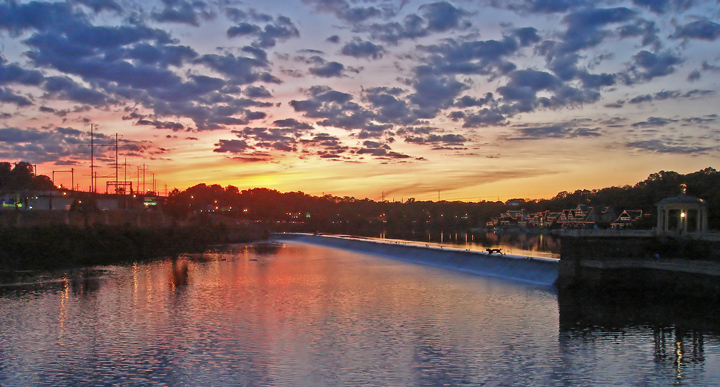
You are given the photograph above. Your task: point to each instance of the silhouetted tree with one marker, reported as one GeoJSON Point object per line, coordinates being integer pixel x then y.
{"type": "Point", "coordinates": [21, 176]}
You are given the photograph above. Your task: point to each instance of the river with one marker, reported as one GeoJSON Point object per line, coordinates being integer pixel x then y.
{"type": "Point", "coordinates": [305, 315]}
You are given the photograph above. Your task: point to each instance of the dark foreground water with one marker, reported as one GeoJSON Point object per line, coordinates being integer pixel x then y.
{"type": "Point", "coordinates": [305, 315]}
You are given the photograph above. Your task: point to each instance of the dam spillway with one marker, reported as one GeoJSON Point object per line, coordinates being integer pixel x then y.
{"type": "Point", "coordinates": [535, 270]}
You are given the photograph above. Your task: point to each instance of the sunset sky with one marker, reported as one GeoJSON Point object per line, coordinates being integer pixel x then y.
{"type": "Point", "coordinates": [462, 100]}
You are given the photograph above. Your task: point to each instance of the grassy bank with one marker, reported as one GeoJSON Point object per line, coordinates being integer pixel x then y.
{"type": "Point", "coordinates": [54, 247]}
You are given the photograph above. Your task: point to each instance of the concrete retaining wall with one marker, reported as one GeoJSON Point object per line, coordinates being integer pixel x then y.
{"type": "Point", "coordinates": [673, 267]}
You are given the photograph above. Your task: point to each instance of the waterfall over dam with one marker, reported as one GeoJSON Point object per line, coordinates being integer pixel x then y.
{"type": "Point", "coordinates": [541, 271]}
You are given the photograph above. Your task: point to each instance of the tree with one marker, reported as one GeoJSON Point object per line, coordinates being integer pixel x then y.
{"type": "Point", "coordinates": [42, 183]}
{"type": "Point", "coordinates": [5, 174]}
{"type": "Point", "coordinates": [21, 176]}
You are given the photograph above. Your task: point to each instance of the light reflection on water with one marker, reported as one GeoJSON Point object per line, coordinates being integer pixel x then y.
{"type": "Point", "coordinates": [316, 316]}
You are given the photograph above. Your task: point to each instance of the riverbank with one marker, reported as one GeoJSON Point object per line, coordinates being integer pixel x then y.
{"type": "Point", "coordinates": [33, 249]}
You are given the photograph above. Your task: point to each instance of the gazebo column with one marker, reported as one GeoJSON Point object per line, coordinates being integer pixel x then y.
{"type": "Point", "coordinates": [666, 227]}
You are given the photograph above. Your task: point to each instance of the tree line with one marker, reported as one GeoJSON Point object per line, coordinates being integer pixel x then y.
{"type": "Point", "coordinates": [297, 211]}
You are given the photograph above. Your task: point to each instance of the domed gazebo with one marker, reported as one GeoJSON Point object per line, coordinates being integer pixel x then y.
{"type": "Point", "coordinates": [682, 214]}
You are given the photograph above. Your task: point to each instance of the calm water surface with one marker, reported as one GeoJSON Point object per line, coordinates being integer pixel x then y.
{"type": "Point", "coordinates": [308, 315]}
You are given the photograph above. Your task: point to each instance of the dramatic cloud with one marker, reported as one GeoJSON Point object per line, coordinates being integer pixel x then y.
{"type": "Point", "coordinates": [379, 150]}
{"type": "Point", "coordinates": [653, 122]}
{"type": "Point", "coordinates": [344, 11]}
{"type": "Point", "coordinates": [328, 70]}
{"type": "Point", "coordinates": [232, 146]}
{"type": "Point", "coordinates": [648, 65]}
{"type": "Point", "coordinates": [61, 143]}
{"type": "Point", "coordinates": [66, 88]}
{"type": "Point", "coordinates": [239, 70]}
{"type": "Point", "coordinates": [8, 96]}
{"type": "Point", "coordinates": [325, 146]}
{"type": "Point", "coordinates": [545, 6]}
{"type": "Point", "coordinates": [359, 81]}
{"type": "Point", "coordinates": [183, 12]}
{"type": "Point", "coordinates": [280, 29]}
{"type": "Point", "coordinates": [102, 5]}
{"type": "Point", "coordinates": [554, 131]}
{"type": "Point", "coordinates": [362, 49]}
{"type": "Point", "coordinates": [447, 139]}
{"type": "Point", "coordinates": [585, 27]}
{"type": "Point", "coordinates": [335, 109]}
{"type": "Point", "coordinates": [434, 18]}
{"type": "Point", "coordinates": [292, 123]}
{"type": "Point", "coordinates": [433, 93]}
{"type": "Point", "coordinates": [663, 6]}
{"type": "Point", "coordinates": [12, 73]}
{"type": "Point", "coordinates": [699, 29]}
{"type": "Point", "coordinates": [669, 146]}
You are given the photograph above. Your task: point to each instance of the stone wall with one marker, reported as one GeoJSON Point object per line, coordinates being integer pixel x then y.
{"type": "Point", "coordinates": [672, 266]}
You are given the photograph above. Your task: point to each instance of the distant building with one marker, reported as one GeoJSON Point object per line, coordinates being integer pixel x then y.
{"type": "Point", "coordinates": [627, 219]}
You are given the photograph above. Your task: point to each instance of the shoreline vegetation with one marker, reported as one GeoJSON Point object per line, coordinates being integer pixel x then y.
{"type": "Point", "coordinates": [28, 251]}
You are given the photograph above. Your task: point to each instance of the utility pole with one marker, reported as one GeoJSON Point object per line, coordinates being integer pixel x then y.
{"type": "Point", "coordinates": [93, 167]}
{"type": "Point", "coordinates": [117, 163]}
{"type": "Point", "coordinates": [138, 178]}
{"type": "Point", "coordinates": [125, 180]}
{"type": "Point", "coordinates": [92, 159]}
{"type": "Point", "coordinates": [144, 169]}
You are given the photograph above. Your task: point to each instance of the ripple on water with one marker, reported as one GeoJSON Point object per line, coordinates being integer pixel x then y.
{"type": "Point", "coordinates": [315, 316]}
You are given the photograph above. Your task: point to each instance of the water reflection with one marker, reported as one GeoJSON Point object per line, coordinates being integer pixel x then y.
{"type": "Point", "coordinates": [178, 274]}
{"type": "Point", "coordinates": [615, 311]}
{"type": "Point", "coordinates": [85, 282]}
{"type": "Point", "coordinates": [294, 314]}
{"type": "Point", "coordinates": [266, 248]}
{"type": "Point", "coordinates": [678, 327]}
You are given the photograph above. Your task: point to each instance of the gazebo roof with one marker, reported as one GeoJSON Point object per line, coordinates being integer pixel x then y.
{"type": "Point", "coordinates": [683, 198]}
